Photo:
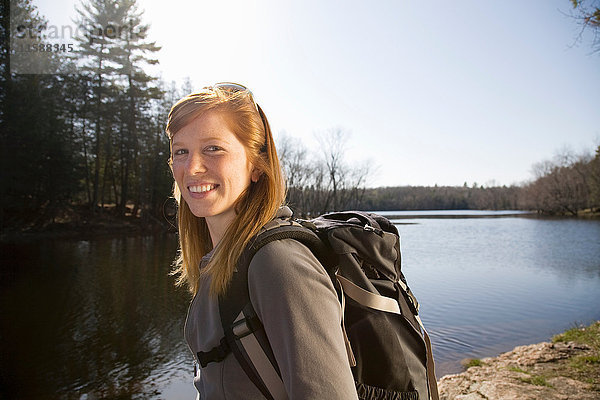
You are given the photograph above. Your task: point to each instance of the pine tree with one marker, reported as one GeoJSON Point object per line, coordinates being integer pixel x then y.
{"type": "Point", "coordinates": [115, 51]}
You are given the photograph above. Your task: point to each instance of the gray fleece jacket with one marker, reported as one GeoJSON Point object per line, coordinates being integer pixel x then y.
{"type": "Point", "coordinates": [297, 304]}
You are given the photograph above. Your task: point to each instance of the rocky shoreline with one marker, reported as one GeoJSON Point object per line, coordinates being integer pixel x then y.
{"type": "Point", "coordinates": [563, 369]}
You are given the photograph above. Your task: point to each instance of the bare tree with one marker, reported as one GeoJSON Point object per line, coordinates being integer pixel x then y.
{"type": "Point", "coordinates": [322, 181]}
{"type": "Point", "coordinates": [562, 184]}
{"type": "Point", "coordinates": [346, 184]}
{"type": "Point", "coordinates": [333, 147]}
{"type": "Point", "coordinates": [587, 14]}
{"type": "Point", "coordinates": [594, 179]}
{"type": "Point", "coordinates": [296, 167]}
{"type": "Point", "coordinates": [293, 156]}
{"type": "Point", "coordinates": [357, 184]}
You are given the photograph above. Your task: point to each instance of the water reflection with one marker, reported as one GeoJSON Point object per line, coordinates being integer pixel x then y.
{"type": "Point", "coordinates": [96, 318]}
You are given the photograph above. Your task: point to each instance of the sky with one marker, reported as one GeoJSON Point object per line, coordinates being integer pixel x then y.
{"type": "Point", "coordinates": [429, 92]}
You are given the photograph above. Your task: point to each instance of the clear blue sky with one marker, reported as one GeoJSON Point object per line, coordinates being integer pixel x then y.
{"type": "Point", "coordinates": [436, 92]}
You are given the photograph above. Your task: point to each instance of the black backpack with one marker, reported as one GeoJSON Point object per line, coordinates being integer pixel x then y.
{"type": "Point", "coordinates": [388, 350]}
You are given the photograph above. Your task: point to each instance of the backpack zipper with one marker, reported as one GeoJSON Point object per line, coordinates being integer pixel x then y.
{"type": "Point", "coordinates": [369, 228]}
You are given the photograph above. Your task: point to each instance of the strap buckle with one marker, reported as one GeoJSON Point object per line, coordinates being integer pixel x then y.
{"type": "Point", "coordinates": [216, 354]}
{"type": "Point", "coordinates": [242, 327]}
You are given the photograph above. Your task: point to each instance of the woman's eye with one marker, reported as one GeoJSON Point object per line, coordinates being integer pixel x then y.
{"type": "Point", "coordinates": [179, 152]}
{"type": "Point", "coordinates": [213, 148]}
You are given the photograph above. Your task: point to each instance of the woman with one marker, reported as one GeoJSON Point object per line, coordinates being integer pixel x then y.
{"type": "Point", "coordinates": [229, 184]}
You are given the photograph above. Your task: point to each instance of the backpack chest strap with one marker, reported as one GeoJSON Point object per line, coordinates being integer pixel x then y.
{"type": "Point", "coordinates": [216, 354]}
{"type": "Point", "coordinates": [242, 326]}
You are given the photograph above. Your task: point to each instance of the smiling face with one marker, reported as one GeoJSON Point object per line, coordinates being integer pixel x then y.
{"type": "Point", "coordinates": [211, 168]}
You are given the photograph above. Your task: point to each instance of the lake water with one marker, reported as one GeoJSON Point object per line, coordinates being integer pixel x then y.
{"type": "Point", "coordinates": [100, 318]}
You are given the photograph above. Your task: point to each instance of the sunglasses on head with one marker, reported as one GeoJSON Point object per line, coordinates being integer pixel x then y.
{"type": "Point", "coordinates": [233, 87]}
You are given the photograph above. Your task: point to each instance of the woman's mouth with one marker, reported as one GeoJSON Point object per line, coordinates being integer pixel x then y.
{"type": "Point", "coordinates": [202, 189]}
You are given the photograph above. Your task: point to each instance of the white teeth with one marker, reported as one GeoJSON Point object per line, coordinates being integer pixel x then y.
{"type": "Point", "coordinates": [201, 188]}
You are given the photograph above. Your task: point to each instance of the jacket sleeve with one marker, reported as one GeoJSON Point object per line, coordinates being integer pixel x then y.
{"type": "Point", "coordinates": [297, 304]}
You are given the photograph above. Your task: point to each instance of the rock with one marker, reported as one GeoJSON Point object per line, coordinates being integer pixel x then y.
{"type": "Point", "coordinates": [527, 372]}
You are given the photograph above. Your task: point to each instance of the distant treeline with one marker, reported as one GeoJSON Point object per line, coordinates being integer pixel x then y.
{"type": "Point", "coordinates": [94, 143]}
{"type": "Point", "coordinates": [566, 185]}
{"type": "Point", "coordinates": [443, 198]}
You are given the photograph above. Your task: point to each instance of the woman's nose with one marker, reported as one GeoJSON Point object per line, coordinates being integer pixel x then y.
{"type": "Point", "coordinates": [196, 164]}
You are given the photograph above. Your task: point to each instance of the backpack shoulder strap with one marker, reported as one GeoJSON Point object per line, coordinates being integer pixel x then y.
{"type": "Point", "coordinates": [238, 296]}
{"type": "Point", "coordinates": [244, 334]}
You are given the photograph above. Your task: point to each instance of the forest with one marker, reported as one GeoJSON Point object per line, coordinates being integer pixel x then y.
{"type": "Point", "coordinates": [83, 138]}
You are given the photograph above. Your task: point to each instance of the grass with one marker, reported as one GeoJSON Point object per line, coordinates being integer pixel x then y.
{"type": "Point", "coordinates": [585, 367]}
{"type": "Point", "coordinates": [589, 335]}
{"type": "Point", "coordinates": [517, 369]}
{"type": "Point", "coordinates": [473, 362]}
{"type": "Point", "coordinates": [536, 380]}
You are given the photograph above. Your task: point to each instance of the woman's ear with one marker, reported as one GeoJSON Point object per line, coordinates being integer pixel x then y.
{"type": "Point", "coordinates": [255, 175]}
